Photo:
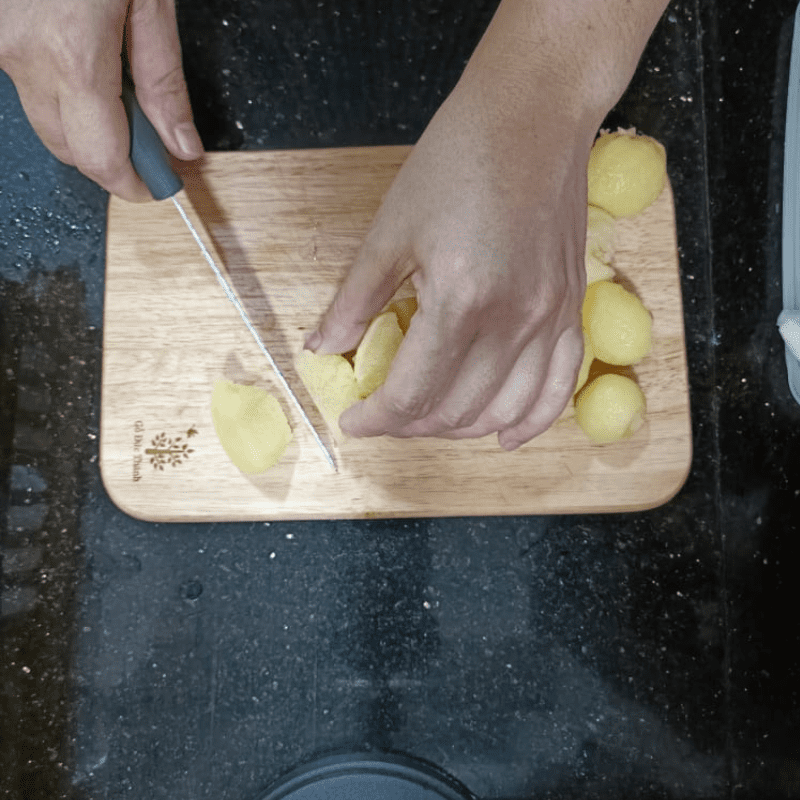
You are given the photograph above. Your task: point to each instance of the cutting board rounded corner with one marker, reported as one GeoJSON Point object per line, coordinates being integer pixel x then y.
{"type": "Point", "coordinates": [672, 490]}
{"type": "Point", "coordinates": [126, 503]}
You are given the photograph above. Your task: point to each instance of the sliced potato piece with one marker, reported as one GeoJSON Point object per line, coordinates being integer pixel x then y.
{"type": "Point", "coordinates": [250, 424]}
{"type": "Point", "coordinates": [331, 383]}
{"type": "Point", "coordinates": [596, 270]}
{"type": "Point", "coordinates": [405, 309]}
{"type": "Point", "coordinates": [376, 352]}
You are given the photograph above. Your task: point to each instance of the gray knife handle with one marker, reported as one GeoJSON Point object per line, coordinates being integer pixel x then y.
{"type": "Point", "coordinates": [148, 154]}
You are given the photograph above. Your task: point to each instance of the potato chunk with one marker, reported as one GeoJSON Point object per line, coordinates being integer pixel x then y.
{"type": "Point", "coordinates": [331, 382]}
{"type": "Point", "coordinates": [335, 384]}
{"type": "Point", "coordinates": [405, 309]}
{"type": "Point", "coordinates": [250, 424]}
{"type": "Point", "coordinates": [376, 352]}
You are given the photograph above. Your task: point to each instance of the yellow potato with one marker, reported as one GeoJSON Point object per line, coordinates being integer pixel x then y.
{"type": "Point", "coordinates": [610, 408]}
{"type": "Point", "coordinates": [250, 424]}
{"type": "Point", "coordinates": [335, 385]}
{"type": "Point", "coordinates": [618, 324]}
{"type": "Point", "coordinates": [405, 309]}
{"type": "Point", "coordinates": [626, 172]}
{"type": "Point", "coordinates": [376, 351]}
{"type": "Point", "coordinates": [331, 382]}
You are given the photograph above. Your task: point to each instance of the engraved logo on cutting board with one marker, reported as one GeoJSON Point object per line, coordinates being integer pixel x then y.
{"type": "Point", "coordinates": [164, 450]}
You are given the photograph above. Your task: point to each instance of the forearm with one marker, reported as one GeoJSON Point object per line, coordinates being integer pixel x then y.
{"type": "Point", "coordinates": [579, 55]}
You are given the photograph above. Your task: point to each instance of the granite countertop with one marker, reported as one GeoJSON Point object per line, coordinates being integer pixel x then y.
{"type": "Point", "coordinates": [650, 654]}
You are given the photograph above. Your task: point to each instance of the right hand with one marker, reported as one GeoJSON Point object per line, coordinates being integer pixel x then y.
{"type": "Point", "coordinates": [487, 217]}
{"type": "Point", "coordinates": [64, 57]}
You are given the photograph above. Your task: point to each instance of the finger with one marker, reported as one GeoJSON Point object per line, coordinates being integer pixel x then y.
{"type": "Point", "coordinates": [514, 400]}
{"type": "Point", "coordinates": [502, 374]}
{"type": "Point", "coordinates": [374, 277]}
{"type": "Point", "coordinates": [481, 374]}
{"type": "Point", "coordinates": [154, 52]}
{"type": "Point", "coordinates": [96, 131]}
{"type": "Point", "coordinates": [421, 375]}
{"type": "Point", "coordinates": [558, 388]}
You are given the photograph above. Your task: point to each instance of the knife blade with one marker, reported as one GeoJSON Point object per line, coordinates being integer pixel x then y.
{"type": "Point", "coordinates": [151, 162]}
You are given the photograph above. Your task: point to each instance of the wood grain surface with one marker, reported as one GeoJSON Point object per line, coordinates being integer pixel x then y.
{"type": "Point", "coordinates": [286, 226]}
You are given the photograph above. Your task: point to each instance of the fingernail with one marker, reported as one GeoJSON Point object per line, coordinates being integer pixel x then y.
{"type": "Point", "coordinates": [313, 342]}
{"type": "Point", "coordinates": [189, 140]}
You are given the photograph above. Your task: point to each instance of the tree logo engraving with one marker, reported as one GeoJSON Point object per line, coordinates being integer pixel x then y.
{"type": "Point", "coordinates": [168, 451]}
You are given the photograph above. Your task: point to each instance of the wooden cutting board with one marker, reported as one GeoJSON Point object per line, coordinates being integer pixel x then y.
{"type": "Point", "coordinates": [287, 225]}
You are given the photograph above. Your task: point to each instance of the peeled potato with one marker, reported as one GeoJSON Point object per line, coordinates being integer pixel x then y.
{"type": "Point", "coordinates": [331, 382]}
{"type": "Point", "coordinates": [626, 172]}
{"type": "Point", "coordinates": [611, 408]}
{"type": "Point", "coordinates": [250, 424]}
{"type": "Point", "coordinates": [618, 324]}
{"type": "Point", "coordinates": [405, 309]}
{"type": "Point", "coordinates": [376, 351]}
{"type": "Point", "coordinates": [335, 385]}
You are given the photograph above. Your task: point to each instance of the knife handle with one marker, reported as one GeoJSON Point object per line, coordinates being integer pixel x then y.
{"type": "Point", "coordinates": [148, 154]}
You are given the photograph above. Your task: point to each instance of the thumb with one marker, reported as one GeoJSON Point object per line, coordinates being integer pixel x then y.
{"type": "Point", "coordinates": [370, 284]}
{"type": "Point", "coordinates": [154, 52]}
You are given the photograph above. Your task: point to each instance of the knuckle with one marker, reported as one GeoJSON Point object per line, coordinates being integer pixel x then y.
{"type": "Point", "coordinates": [500, 422]}
{"type": "Point", "coordinates": [10, 55]}
{"type": "Point", "coordinates": [471, 295]}
{"type": "Point", "coordinates": [406, 408]}
{"type": "Point", "coordinates": [171, 84]}
{"type": "Point", "coordinates": [103, 167]}
{"type": "Point", "coordinates": [453, 419]}
{"type": "Point", "coordinates": [547, 298]}
{"type": "Point", "coordinates": [538, 311]}
{"type": "Point", "coordinates": [77, 59]}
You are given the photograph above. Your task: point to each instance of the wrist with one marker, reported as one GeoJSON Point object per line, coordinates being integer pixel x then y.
{"type": "Point", "coordinates": [573, 58]}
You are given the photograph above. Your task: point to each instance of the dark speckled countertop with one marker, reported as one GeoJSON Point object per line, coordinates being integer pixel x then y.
{"type": "Point", "coordinates": [650, 655]}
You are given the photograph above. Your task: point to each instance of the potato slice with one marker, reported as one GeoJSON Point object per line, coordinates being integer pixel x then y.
{"type": "Point", "coordinates": [376, 352]}
{"type": "Point", "coordinates": [331, 383]}
{"type": "Point", "coordinates": [250, 424]}
{"type": "Point", "coordinates": [596, 270]}
{"type": "Point", "coordinates": [335, 385]}
{"type": "Point", "coordinates": [405, 309]}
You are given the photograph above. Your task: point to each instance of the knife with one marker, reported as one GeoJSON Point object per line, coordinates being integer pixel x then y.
{"type": "Point", "coordinates": [151, 162]}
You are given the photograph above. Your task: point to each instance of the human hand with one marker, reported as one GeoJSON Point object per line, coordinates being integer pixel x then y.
{"type": "Point", "coordinates": [488, 219]}
{"type": "Point", "coordinates": [489, 223]}
{"type": "Point", "coordinates": [65, 60]}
